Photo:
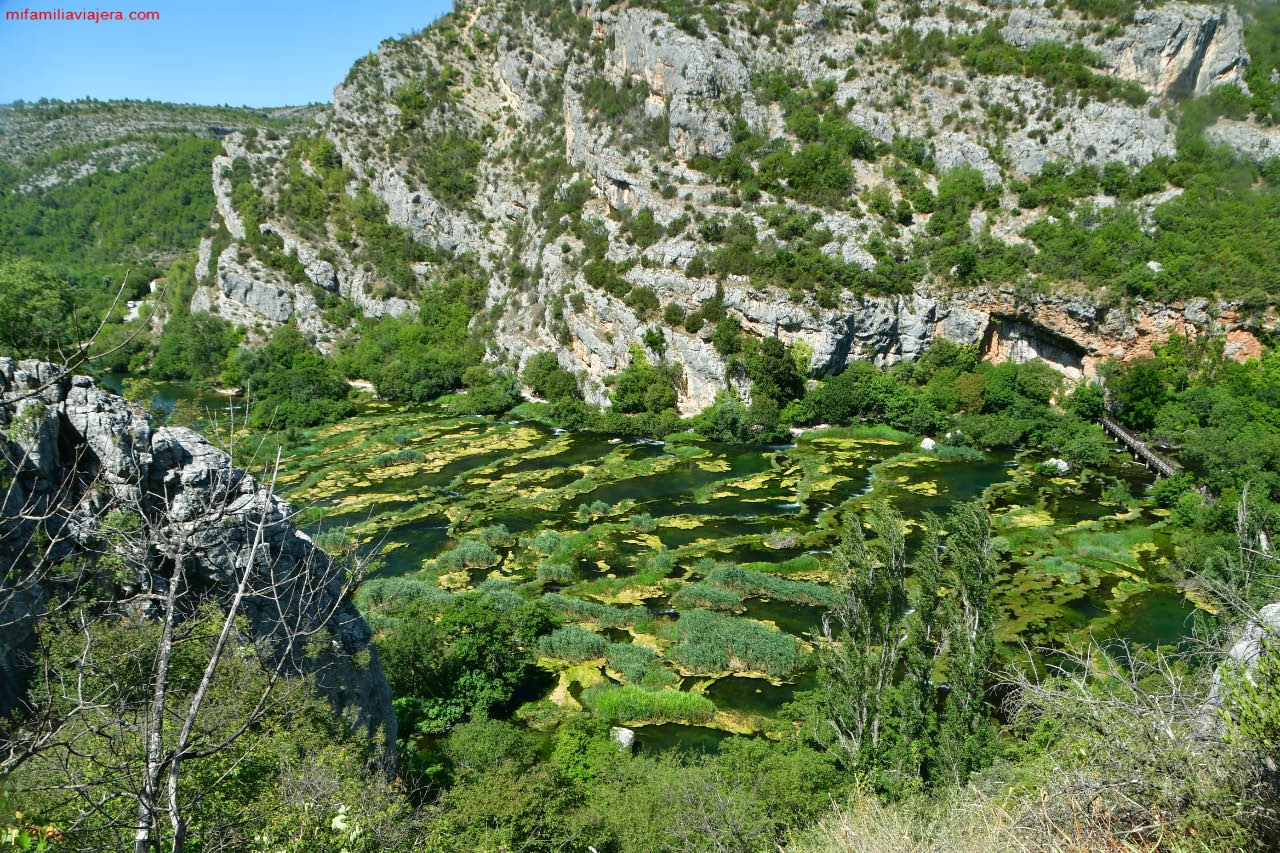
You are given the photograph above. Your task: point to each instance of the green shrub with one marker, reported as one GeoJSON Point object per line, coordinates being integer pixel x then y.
{"type": "Point", "coordinates": [955, 453]}
{"type": "Point", "coordinates": [377, 592]}
{"type": "Point", "coordinates": [658, 676]}
{"type": "Point", "coordinates": [501, 592]}
{"type": "Point", "coordinates": [548, 380]}
{"type": "Point", "coordinates": [556, 573]}
{"type": "Point", "coordinates": [644, 523]}
{"type": "Point", "coordinates": [644, 229]}
{"type": "Point", "coordinates": [804, 564]}
{"type": "Point", "coordinates": [396, 437]}
{"type": "Point", "coordinates": [673, 315]}
{"type": "Point", "coordinates": [480, 744]}
{"type": "Point", "coordinates": [605, 615]}
{"type": "Point", "coordinates": [468, 554]}
{"type": "Point", "coordinates": [631, 660]}
{"type": "Point", "coordinates": [755, 583]}
{"type": "Point", "coordinates": [644, 301]}
{"type": "Point", "coordinates": [546, 542]}
{"type": "Point", "coordinates": [495, 536]}
{"type": "Point", "coordinates": [398, 457]}
{"type": "Point", "coordinates": [657, 566]}
{"type": "Point", "coordinates": [613, 103]}
{"type": "Point", "coordinates": [448, 165]}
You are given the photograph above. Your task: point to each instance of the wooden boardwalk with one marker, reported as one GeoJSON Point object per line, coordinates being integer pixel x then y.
{"type": "Point", "coordinates": [1162, 466]}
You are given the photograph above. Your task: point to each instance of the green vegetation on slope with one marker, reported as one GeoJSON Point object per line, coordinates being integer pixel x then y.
{"type": "Point", "coordinates": [95, 227]}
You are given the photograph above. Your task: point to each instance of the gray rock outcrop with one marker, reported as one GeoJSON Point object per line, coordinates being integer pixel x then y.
{"type": "Point", "coordinates": [254, 287]}
{"type": "Point", "coordinates": [1173, 51]}
{"type": "Point", "coordinates": [1255, 142]}
{"type": "Point", "coordinates": [73, 451]}
{"type": "Point", "coordinates": [1250, 645]}
{"type": "Point", "coordinates": [1258, 635]}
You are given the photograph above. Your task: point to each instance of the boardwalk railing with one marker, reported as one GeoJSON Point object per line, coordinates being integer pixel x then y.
{"type": "Point", "coordinates": [1162, 466]}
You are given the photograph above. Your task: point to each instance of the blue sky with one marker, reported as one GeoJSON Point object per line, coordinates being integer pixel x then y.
{"type": "Point", "coordinates": [258, 54]}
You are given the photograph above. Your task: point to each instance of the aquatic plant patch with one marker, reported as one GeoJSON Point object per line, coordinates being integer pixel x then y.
{"type": "Point", "coordinates": [748, 582]}
{"type": "Point", "coordinates": [572, 643]}
{"type": "Point", "coordinates": [631, 704]}
{"type": "Point", "coordinates": [712, 643]}
{"type": "Point", "coordinates": [708, 596]}
{"type": "Point", "coordinates": [509, 495]}
{"type": "Point", "coordinates": [630, 660]}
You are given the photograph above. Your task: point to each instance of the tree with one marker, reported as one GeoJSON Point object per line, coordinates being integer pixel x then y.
{"type": "Point", "coordinates": [542, 373]}
{"type": "Point", "coordinates": [971, 391]}
{"type": "Point", "coordinates": [1139, 391]}
{"type": "Point", "coordinates": [863, 635]}
{"type": "Point", "coordinates": [727, 338]}
{"type": "Point", "coordinates": [489, 392]}
{"type": "Point", "coordinates": [773, 372]}
{"type": "Point", "coordinates": [965, 733]}
{"type": "Point", "coordinates": [1087, 401]}
{"type": "Point", "coordinates": [193, 346]}
{"type": "Point", "coordinates": [841, 399]}
{"type": "Point", "coordinates": [885, 653]}
{"type": "Point", "coordinates": [644, 387]}
{"type": "Point", "coordinates": [291, 384]}
{"type": "Point", "coordinates": [726, 419]}
{"type": "Point", "coordinates": [463, 660]}
{"type": "Point", "coordinates": [1037, 381]}
{"type": "Point", "coordinates": [37, 317]}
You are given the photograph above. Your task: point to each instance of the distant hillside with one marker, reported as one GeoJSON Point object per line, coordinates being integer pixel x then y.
{"type": "Point", "coordinates": [91, 187]}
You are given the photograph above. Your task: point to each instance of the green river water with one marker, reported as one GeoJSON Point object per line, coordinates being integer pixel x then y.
{"type": "Point", "coordinates": [1070, 562]}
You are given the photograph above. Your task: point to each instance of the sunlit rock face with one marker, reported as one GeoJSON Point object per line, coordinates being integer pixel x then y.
{"type": "Point", "coordinates": [523, 84]}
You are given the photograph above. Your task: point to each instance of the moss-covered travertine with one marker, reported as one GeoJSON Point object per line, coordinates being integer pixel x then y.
{"type": "Point", "coordinates": [633, 540]}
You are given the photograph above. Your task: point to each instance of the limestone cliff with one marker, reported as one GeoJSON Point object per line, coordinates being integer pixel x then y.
{"type": "Point", "coordinates": [72, 450]}
{"type": "Point", "coordinates": [528, 84]}
{"type": "Point", "coordinates": [1174, 50]}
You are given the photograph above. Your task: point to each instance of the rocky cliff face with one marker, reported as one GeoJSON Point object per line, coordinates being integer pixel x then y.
{"type": "Point", "coordinates": [522, 81]}
{"type": "Point", "coordinates": [73, 451]}
{"type": "Point", "coordinates": [1173, 50]}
